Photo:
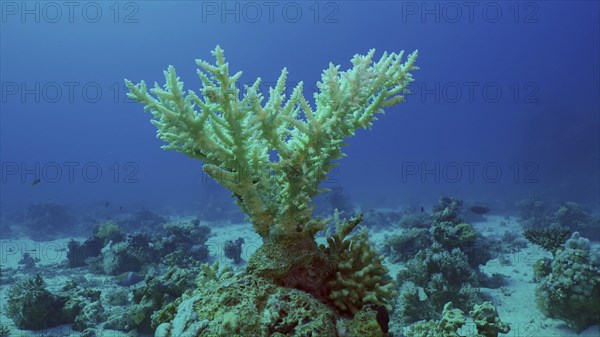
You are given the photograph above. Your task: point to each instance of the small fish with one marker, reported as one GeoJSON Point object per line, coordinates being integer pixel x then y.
{"type": "Point", "coordinates": [129, 278]}
{"type": "Point", "coordinates": [422, 209]}
{"type": "Point", "coordinates": [36, 182]}
{"type": "Point", "coordinates": [479, 209]}
{"type": "Point", "coordinates": [106, 204]}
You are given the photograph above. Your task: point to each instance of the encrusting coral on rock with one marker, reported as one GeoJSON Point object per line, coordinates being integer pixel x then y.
{"type": "Point", "coordinates": [570, 288]}
{"type": "Point", "coordinates": [272, 156]}
{"type": "Point", "coordinates": [485, 317]}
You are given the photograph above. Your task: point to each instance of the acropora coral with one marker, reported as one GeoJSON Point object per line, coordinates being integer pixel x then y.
{"type": "Point", "coordinates": [273, 156]}
{"type": "Point", "coordinates": [551, 238]}
{"type": "Point", "coordinates": [235, 138]}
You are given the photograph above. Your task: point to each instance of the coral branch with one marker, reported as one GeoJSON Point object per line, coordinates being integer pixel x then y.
{"type": "Point", "coordinates": [236, 135]}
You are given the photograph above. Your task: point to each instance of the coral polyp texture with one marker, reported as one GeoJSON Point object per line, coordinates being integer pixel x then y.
{"type": "Point", "coordinates": [236, 135]}
{"type": "Point", "coordinates": [360, 275]}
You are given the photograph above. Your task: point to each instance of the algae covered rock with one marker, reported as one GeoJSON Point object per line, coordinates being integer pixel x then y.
{"type": "Point", "coordinates": [485, 317]}
{"type": "Point", "coordinates": [452, 320]}
{"type": "Point", "coordinates": [226, 304]}
{"type": "Point", "coordinates": [245, 305]}
{"type": "Point", "coordinates": [487, 321]}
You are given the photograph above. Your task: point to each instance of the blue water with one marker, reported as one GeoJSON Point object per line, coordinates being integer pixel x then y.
{"type": "Point", "coordinates": [506, 103]}
{"type": "Point", "coordinates": [505, 107]}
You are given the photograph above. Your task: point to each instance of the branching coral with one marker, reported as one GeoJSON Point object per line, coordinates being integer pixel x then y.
{"type": "Point", "coordinates": [31, 306]}
{"type": "Point", "coordinates": [272, 156]}
{"type": "Point", "coordinates": [551, 239]}
{"type": "Point", "coordinates": [236, 138]}
{"type": "Point", "coordinates": [360, 277]}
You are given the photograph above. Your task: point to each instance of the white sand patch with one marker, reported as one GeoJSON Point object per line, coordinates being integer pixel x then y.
{"type": "Point", "coordinates": [222, 233]}
{"type": "Point", "coordinates": [516, 302]}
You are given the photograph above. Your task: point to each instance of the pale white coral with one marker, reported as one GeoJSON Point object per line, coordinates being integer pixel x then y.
{"type": "Point", "coordinates": [235, 136]}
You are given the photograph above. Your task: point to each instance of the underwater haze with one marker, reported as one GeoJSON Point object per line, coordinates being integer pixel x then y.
{"type": "Point", "coordinates": [508, 85]}
{"type": "Point", "coordinates": [496, 148]}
